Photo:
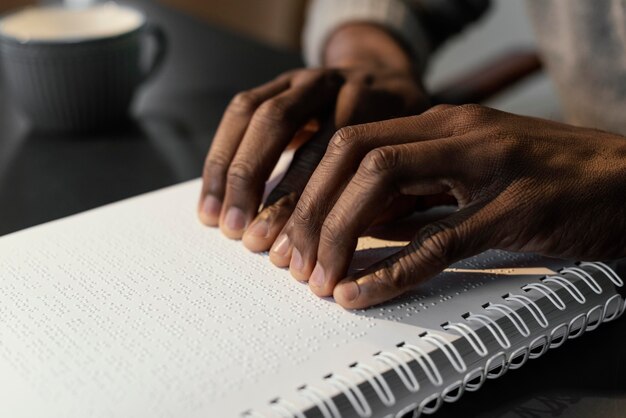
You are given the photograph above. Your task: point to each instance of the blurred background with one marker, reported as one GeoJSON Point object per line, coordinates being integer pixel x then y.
{"type": "Point", "coordinates": [216, 49]}
{"type": "Point", "coordinates": [278, 23]}
{"type": "Point", "coordinates": [220, 47]}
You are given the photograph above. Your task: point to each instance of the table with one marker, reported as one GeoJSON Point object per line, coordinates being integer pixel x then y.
{"type": "Point", "coordinates": [45, 178]}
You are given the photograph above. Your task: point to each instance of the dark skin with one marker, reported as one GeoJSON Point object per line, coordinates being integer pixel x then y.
{"type": "Point", "coordinates": [368, 76]}
{"type": "Point", "coordinates": [522, 184]}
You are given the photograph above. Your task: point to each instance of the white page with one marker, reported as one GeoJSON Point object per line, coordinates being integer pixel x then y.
{"type": "Point", "coordinates": [135, 309]}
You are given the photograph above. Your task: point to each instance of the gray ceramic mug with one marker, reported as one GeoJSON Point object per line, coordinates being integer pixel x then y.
{"type": "Point", "coordinates": [80, 81]}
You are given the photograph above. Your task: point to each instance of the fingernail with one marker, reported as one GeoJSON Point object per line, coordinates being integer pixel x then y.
{"type": "Point", "coordinates": [296, 262]}
{"type": "Point", "coordinates": [318, 277]}
{"type": "Point", "coordinates": [235, 220]}
{"type": "Point", "coordinates": [259, 229]}
{"type": "Point", "coordinates": [211, 206]}
{"type": "Point", "coordinates": [350, 291]}
{"type": "Point", "coordinates": [281, 246]}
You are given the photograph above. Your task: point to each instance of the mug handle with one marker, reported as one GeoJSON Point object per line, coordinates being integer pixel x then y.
{"type": "Point", "coordinates": [157, 34]}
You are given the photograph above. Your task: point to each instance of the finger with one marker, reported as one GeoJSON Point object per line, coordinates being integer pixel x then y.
{"type": "Point", "coordinates": [463, 234]}
{"type": "Point", "coordinates": [350, 101]}
{"type": "Point", "coordinates": [354, 104]}
{"type": "Point", "coordinates": [280, 204]}
{"type": "Point", "coordinates": [341, 160]}
{"type": "Point", "coordinates": [384, 174]}
{"type": "Point", "coordinates": [265, 228]}
{"type": "Point", "coordinates": [438, 108]}
{"type": "Point", "coordinates": [225, 143]}
{"type": "Point", "coordinates": [349, 98]}
{"type": "Point", "coordinates": [281, 201]}
{"type": "Point", "coordinates": [272, 127]}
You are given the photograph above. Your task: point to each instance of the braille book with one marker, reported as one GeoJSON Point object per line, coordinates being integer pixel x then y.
{"type": "Point", "coordinates": [136, 310]}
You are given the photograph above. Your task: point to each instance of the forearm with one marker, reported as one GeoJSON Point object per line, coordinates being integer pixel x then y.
{"type": "Point", "coordinates": [366, 45]}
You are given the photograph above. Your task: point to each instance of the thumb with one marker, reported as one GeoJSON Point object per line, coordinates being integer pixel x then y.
{"type": "Point", "coordinates": [435, 247]}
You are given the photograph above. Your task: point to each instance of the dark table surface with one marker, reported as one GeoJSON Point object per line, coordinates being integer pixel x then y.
{"type": "Point", "coordinates": [45, 178]}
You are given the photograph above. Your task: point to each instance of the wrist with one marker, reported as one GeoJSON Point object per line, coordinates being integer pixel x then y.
{"type": "Point", "coordinates": [365, 45]}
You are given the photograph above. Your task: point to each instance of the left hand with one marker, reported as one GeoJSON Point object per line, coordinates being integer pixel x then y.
{"type": "Point", "coordinates": [367, 76]}
{"type": "Point", "coordinates": [522, 184]}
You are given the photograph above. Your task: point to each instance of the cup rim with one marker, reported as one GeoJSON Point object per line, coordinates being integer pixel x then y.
{"type": "Point", "coordinates": [73, 40]}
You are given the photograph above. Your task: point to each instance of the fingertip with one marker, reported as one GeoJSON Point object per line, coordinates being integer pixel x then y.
{"type": "Point", "coordinates": [280, 253]}
{"type": "Point", "coordinates": [209, 210]}
{"type": "Point", "coordinates": [207, 220]}
{"type": "Point", "coordinates": [233, 223]}
{"type": "Point", "coordinates": [257, 237]}
{"type": "Point", "coordinates": [263, 231]}
{"type": "Point", "coordinates": [347, 294]}
{"type": "Point", "coordinates": [298, 266]}
{"type": "Point", "coordinates": [318, 281]}
{"type": "Point", "coordinates": [279, 261]}
{"type": "Point", "coordinates": [255, 244]}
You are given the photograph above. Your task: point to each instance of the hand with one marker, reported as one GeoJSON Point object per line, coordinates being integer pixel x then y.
{"type": "Point", "coordinates": [372, 79]}
{"type": "Point", "coordinates": [522, 184]}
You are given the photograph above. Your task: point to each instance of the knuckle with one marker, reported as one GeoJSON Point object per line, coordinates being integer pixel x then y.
{"type": "Point", "coordinates": [307, 214]}
{"type": "Point", "coordinates": [391, 277]}
{"type": "Point", "coordinates": [343, 140]}
{"type": "Point", "coordinates": [244, 103]}
{"type": "Point", "coordinates": [332, 231]}
{"type": "Point", "coordinates": [274, 110]}
{"type": "Point", "coordinates": [240, 175]}
{"type": "Point", "coordinates": [471, 115]}
{"type": "Point", "coordinates": [380, 160]}
{"type": "Point", "coordinates": [440, 107]}
{"type": "Point", "coordinates": [215, 165]}
{"type": "Point", "coordinates": [435, 245]}
{"type": "Point", "coordinates": [216, 159]}
{"type": "Point", "coordinates": [472, 109]}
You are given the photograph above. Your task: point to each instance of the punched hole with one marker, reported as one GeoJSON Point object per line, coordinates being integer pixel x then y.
{"type": "Point", "coordinates": [423, 334]}
{"type": "Point", "coordinates": [518, 359]}
{"type": "Point", "coordinates": [558, 339]}
{"type": "Point", "coordinates": [400, 344]}
{"type": "Point", "coordinates": [486, 305]}
{"type": "Point", "coordinates": [495, 370]}
{"type": "Point", "coordinates": [578, 325]}
{"type": "Point", "coordinates": [475, 381]}
{"type": "Point", "coordinates": [537, 349]}
{"type": "Point", "coordinates": [453, 393]}
{"type": "Point", "coordinates": [432, 404]}
{"type": "Point", "coordinates": [506, 295]}
{"type": "Point", "coordinates": [445, 324]}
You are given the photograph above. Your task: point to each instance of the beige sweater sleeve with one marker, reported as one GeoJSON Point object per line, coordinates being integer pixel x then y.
{"type": "Point", "coordinates": [325, 16]}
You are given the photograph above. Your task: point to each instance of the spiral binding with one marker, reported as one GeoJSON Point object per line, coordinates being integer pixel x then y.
{"type": "Point", "coordinates": [495, 366]}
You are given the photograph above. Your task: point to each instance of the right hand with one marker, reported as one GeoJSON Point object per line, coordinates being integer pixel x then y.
{"type": "Point", "coordinates": [523, 184]}
{"type": "Point", "coordinates": [260, 123]}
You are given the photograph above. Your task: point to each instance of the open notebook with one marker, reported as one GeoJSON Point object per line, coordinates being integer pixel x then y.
{"type": "Point", "coordinates": [135, 310]}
